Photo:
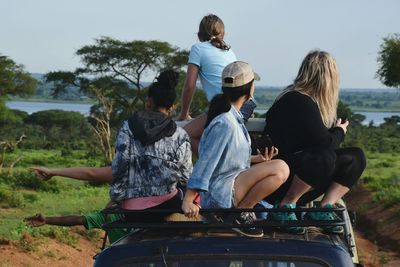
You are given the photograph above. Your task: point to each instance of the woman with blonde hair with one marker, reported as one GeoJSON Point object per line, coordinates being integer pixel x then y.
{"type": "Point", "coordinates": [303, 124]}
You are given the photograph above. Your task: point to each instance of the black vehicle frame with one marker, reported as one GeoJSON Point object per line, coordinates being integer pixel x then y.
{"type": "Point", "coordinates": [212, 243]}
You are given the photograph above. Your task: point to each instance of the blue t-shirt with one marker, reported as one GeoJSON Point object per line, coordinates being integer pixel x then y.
{"type": "Point", "coordinates": [211, 61]}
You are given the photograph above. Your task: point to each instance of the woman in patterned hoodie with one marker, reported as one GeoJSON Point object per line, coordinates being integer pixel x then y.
{"type": "Point", "coordinates": [153, 155]}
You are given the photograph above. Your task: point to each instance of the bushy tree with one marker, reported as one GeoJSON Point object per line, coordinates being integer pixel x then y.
{"type": "Point", "coordinates": [14, 80]}
{"type": "Point", "coordinates": [112, 74]}
{"type": "Point", "coordinates": [67, 120]}
{"type": "Point", "coordinates": [389, 61]}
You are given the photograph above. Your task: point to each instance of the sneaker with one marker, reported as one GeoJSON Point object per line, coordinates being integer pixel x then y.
{"type": "Point", "coordinates": [287, 216]}
{"type": "Point", "coordinates": [247, 218]}
{"type": "Point", "coordinates": [326, 216]}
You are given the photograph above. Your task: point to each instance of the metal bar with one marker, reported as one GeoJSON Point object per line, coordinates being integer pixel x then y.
{"type": "Point", "coordinates": [222, 211]}
{"type": "Point", "coordinates": [204, 225]}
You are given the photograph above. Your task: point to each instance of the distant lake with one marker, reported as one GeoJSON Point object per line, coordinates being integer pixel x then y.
{"type": "Point", "coordinates": [31, 107]}
{"type": "Point", "coordinates": [376, 117]}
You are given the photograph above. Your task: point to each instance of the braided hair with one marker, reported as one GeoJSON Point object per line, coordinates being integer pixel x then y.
{"type": "Point", "coordinates": [212, 29]}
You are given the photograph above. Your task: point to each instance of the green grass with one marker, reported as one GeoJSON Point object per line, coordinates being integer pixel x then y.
{"type": "Point", "coordinates": [52, 158]}
{"type": "Point", "coordinates": [75, 198]}
{"type": "Point", "coordinates": [382, 175]}
{"type": "Point", "coordinates": [23, 195]}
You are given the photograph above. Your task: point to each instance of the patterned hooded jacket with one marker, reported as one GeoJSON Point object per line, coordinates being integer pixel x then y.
{"type": "Point", "coordinates": [152, 156]}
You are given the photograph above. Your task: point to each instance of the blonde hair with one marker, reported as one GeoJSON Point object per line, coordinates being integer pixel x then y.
{"type": "Point", "coordinates": [318, 78]}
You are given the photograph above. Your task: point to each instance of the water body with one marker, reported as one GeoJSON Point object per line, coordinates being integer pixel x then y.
{"type": "Point", "coordinates": [376, 117]}
{"type": "Point", "coordinates": [31, 107]}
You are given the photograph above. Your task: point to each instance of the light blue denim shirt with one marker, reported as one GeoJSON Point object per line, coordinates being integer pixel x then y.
{"type": "Point", "coordinates": [224, 152]}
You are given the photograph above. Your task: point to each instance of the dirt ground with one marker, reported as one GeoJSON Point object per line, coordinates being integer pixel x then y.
{"type": "Point", "coordinates": [377, 229]}
{"type": "Point", "coordinates": [51, 253]}
{"type": "Point", "coordinates": [57, 254]}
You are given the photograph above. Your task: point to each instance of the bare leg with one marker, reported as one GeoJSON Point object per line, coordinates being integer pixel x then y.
{"type": "Point", "coordinates": [195, 129]}
{"type": "Point", "coordinates": [296, 190]}
{"type": "Point", "coordinates": [259, 181]}
{"type": "Point", "coordinates": [334, 193]}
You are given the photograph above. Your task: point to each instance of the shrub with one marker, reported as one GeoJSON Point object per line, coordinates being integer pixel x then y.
{"type": "Point", "coordinates": [28, 180]}
{"type": "Point", "coordinates": [30, 197]}
{"type": "Point", "coordinates": [10, 198]}
{"type": "Point", "coordinates": [62, 234]}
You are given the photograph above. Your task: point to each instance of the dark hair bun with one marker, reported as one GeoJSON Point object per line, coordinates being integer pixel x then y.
{"type": "Point", "coordinates": [168, 78]}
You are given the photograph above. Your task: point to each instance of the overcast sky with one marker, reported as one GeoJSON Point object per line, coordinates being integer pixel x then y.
{"type": "Point", "coordinates": [273, 36]}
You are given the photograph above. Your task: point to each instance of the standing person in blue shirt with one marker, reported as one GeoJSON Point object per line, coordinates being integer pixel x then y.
{"type": "Point", "coordinates": [223, 175]}
{"type": "Point", "coordinates": [207, 59]}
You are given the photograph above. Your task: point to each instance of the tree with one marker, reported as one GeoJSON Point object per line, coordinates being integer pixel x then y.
{"type": "Point", "coordinates": [112, 74]}
{"type": "Point", "coordinates": [389, 61]}
{"type": "Point", "coordinates": [14, 80]}
{"type": "Point", "coordinates": [67, 120]}
{"type": "Point", "coordinates": [7, 146]}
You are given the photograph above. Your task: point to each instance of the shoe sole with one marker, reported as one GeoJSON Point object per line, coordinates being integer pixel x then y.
{"type": "Point", "coordinates": [288, 231]}
{"type": "Point", "coordinates": [238, 230]}
{"type": "Point", "coordinates": [327, 231]}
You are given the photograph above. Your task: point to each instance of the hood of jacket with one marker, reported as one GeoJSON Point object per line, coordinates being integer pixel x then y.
{"type": "Point", "coordinates": [150, 126]}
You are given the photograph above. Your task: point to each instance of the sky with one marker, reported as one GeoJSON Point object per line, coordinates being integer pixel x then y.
{"type": "Point", "coordinates": [273, 36]}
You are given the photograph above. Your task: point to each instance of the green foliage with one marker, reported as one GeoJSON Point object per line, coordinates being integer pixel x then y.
{"type": "Point", "coordinates": [27, 246]}
{"type": "Point", "coordinates": [10, 117]}
{"type": "Point", "coordinates": [116, 68]}
{"type": "Point", "coordinates": [383, 178]}
{"type": "Point", "coordinates": [389, 61]}
{"type": "Point", "coordinates": [76, 198]}
{"type": "Point", "coordinates": [50, 129]}
{"type": "Point", "coordinates": [27, 180]}
{"type": "Point", "coordinates": [61, 234]}
{"type": "Point", "coordinates": [14, 80]}
{"type": "Point", "coordinates": [93, 235]}
{"type": "Point", "coordinates": [387, 190]}
{"type": "Point", "coordinates": [10, 199]}
{"type": "Point", "coordinates": [67, 120]}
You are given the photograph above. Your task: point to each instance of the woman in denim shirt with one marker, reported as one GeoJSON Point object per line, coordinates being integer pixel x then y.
{"type": "Point", "coordinates": [223, 175]}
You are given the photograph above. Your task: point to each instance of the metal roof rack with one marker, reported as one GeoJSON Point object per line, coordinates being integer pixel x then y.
{"type": "Point", "coordinates": [207, 224]}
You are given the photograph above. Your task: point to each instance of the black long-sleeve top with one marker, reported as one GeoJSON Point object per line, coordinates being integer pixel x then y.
{"type": "Point", "coordinates": [294, 124]}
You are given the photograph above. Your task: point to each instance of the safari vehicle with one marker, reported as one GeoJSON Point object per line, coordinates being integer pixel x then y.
{"type": "Point", "coordinates": [208, 243]}
{"type": "Point", "coordinates": [182, 243]}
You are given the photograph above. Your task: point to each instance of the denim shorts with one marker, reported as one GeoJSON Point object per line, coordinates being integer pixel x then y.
{"type": "Point", "coordinates": [233, 200]}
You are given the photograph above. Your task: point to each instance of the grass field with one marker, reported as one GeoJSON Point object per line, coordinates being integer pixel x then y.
{"type": "Point", "coordinates": [22, 194]}
{"type": "Point", "coordinates": [383, 176]}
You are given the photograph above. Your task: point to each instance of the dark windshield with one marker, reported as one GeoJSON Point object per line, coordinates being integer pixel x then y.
{"type": "Point", "coordinates": [226, 263]}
